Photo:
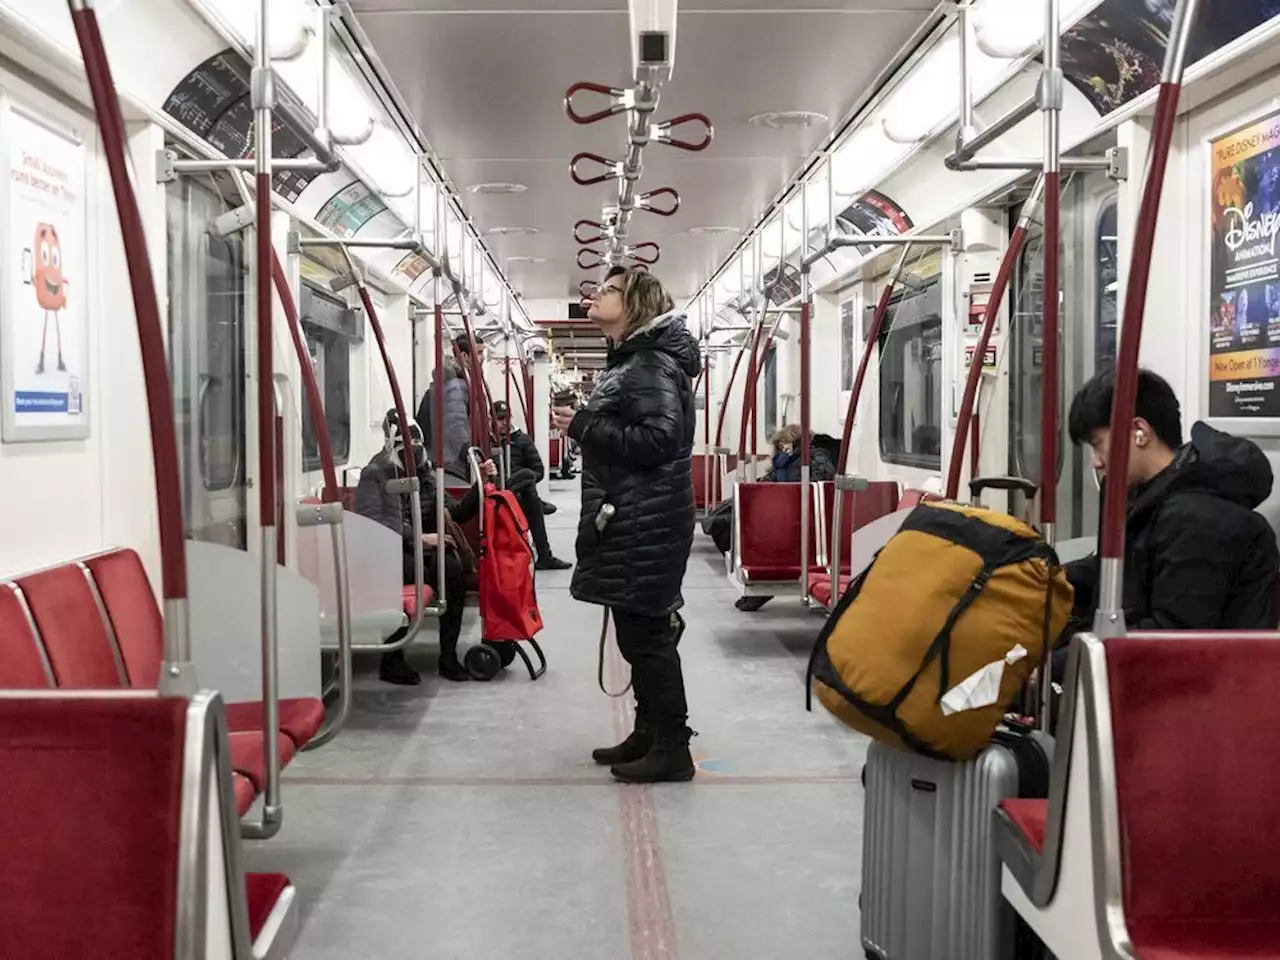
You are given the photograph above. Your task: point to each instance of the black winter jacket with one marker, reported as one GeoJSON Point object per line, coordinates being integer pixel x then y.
{"type": "Point", "coordinates": [786, 467]}
{"type": "Point", "coordinates": [457, 418]}
{"type": "Point", "coordinates": [1197, 556]}
{"type": "Point", "coordinates": [636, 435]}
{"type": "Point", "coordinates": [524, 454]}
{"type": "Point", "coordinates": [393, 511]}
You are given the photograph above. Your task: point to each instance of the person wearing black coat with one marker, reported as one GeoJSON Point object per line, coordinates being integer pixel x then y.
{"type": "Point", "coordinates": [636, 435]}
{"type": "Point", "coordinates": [374, 501]}
{"type": "Point", "coordinates": [1197, 554]}
{"type": "Point", "coordinates": [527, 472]}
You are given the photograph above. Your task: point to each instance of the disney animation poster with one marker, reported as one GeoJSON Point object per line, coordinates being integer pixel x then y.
{"type": "Point", "coordinates": [1244, 272]}
{"type": "Point", "coordinates": [45, 350]}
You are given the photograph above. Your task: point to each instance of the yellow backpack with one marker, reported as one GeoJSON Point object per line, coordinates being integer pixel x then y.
{"type": "Point", "coordinates": [929, 648]}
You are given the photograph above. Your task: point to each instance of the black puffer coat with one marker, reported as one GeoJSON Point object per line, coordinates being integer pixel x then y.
{"type": "Point", "coordinates": [636, 435]}
{"type": "Point", "coordinates": [1197, 555]}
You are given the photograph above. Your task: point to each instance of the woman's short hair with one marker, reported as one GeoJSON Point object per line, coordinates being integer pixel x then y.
{"type": "Point", "coordinates": [790, 434]}
{"type": "Point", "coordinates": [644, 298]}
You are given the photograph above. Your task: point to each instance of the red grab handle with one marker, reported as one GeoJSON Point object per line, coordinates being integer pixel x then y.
{"type": "Point", "coordinates": [614, 108]}
{"type": "Point", "coordinates": [577, 231]}
{"type": "Point", "coordinates": [634, 252]}
{"type": "Point", "coordinates": [645, 201]}
{"type": "Point", "coordinates": [662, 132]}
{"type": "Point", "coordinates": [581, 181]}
{"type": "Point", "coordinates": [599, 261]}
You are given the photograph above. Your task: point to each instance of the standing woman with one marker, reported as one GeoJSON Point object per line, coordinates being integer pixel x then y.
{"type": "Point", "coordinates": [636, 435]}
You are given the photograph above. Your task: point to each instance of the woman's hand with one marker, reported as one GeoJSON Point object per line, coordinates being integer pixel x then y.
{"type": "Point", "coordinates": [432, 540]}
{"type": "Point", "coordinates": [488, 470]}
{"type": "Point", "coordinates": [561, 417]}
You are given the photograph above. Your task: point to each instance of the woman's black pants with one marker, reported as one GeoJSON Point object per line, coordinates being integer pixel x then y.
{"type": "Point", "coordinates": [648, 644]}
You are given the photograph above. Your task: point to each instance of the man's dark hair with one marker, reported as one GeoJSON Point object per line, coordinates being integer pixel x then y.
{"type": "Point", "coordinates": [1157, 404]}
{"type": "Point", "coordinates": [463, 343]}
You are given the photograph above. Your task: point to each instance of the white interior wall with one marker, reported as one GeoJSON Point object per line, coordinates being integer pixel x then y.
{"type": "Point", "coordinates": [70, 498]}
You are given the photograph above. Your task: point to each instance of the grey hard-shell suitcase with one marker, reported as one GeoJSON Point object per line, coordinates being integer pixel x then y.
{"type": "Point", "coordinates": [930, 873]}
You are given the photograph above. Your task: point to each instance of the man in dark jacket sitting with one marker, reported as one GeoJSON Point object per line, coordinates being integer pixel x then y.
{"type": "Point", "coordinates": [526, 471]}
{"type": "Point", "coordinates": [374, 501]}
{"type": "Point", "coordinates": [1197, 555]}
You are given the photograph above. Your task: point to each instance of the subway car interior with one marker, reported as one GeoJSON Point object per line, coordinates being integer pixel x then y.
{"type": "Point", "coordinates": [281, 249]}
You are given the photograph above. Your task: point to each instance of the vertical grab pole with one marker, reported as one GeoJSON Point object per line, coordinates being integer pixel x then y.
{"type": "Point", "coordinates": [1109, 620]}
{"type": "Point", "coordinates": [177, 674]}
{"type": "Point", "coordinates": [706, 407]}
{"type": "Point", "coordinates": [805, 490]}
{"type": "Point", "coordinates": [868, 348]}
{"type": "Point", "coordinates": [506, 387]}
{"type": "Point", "coordinates": [438, 433]}
{"type": "Point", "coordinates": [998, 288]}
{"type": "Point", "coordinates": [263, 100]}
{"type": "Point", "coordinates": [1051, 106]}
{"type": "Point", "coordinates": [758, 292]}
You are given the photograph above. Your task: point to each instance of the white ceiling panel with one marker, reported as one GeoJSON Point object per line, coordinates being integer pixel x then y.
{"type": "Point", "coordinates": [486, 80]}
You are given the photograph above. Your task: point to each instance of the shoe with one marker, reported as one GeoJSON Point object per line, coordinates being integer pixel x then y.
{"type": "Point", "coordinates": [668, 761]}
{"type": "Point", "coordinates": [395, 669]}
{"type": "Point", "coordinates": [552, 563]}
{"type": "Point", "coordinates": [548, 508]}
{"type": "Point", "coordinates": [451, 669]}
{"type": "Point", "coordinates": [751, 604]}
{"type": "Point", "coordinates": [633, 748]}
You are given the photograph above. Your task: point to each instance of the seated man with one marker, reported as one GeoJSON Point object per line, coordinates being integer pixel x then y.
{"type": "Point", "coordinates": [394, 512]}
{"type": "Point", "coordinates": [526, 472]}
{"type": "Point", "coordinates": [1197, 555]}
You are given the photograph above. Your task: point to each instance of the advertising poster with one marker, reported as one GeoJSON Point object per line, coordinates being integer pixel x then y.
{"type": "Point", "coordinates": [1244, 273]}
{"type": "Point", "coordinates": [45, 348]}
{"type": "Point", "coordinates": [350, 209]}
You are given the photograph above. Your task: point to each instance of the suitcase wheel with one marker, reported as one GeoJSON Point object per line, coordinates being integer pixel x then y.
{"type": "Point", "coordinates": [506, 651]}
{"type": "Point", "coordinates": [483, 662]}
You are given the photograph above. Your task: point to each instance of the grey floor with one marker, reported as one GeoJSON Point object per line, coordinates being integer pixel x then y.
{"type": "Point", "coordinates": [468, 821]}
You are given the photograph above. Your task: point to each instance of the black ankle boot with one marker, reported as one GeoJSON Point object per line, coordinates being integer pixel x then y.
{"type": "Point", "coordinates": [668, 760]}
{"type": "Point", "coordinates": [633, 748]}
{"type": "Point", "coordinates": [395, 669]}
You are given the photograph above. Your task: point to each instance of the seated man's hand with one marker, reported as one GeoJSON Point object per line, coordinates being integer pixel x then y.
{"type": "Point", "coordinates": [488, 470]}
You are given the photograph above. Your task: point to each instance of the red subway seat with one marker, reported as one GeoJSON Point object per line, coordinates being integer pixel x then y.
{"type": "Point", "coordinates": [21, 667]}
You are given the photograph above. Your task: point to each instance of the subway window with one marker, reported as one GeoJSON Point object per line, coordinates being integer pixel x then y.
{"type": "Point", "coordinates": [208, 279]}
{"type": "Point", "coordinates": [911, 385]}
{"type": "Point", "coordinates": [1108, 275]}
{"type": "Point", "coordinates": [329, 327]}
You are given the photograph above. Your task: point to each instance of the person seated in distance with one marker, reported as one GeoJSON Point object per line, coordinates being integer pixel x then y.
{"type": "Point", "coordinates": [394, 512]}
{"type": "Point", "coordinates": [1197, 555]}
{"type": "Point", "coordinates": [526, 471]}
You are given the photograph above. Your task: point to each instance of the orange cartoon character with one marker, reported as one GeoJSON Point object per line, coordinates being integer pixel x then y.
{"type": "Point", "coordinates": [50, 284]}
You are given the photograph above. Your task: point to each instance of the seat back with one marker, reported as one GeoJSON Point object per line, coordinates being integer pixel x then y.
{"type": "Point", "coordinates": [135, 616]}
{"type": "Point", "coordinates": [879, 499]}
{"type": "Point", "coordinates": [95, 873]}
{"type": "Point", "coordinates": [73, 627]}
{"type": "Point", "coordinates": [1193, 721]}
{"type": "Point", "coordinates": [22, 660]}
{"type": "Point", "coordinates": [769, 530]}
{"type": "Point", "coordinates": [913, 498]}
{"type": "Point", "coordinates": [704, 466]}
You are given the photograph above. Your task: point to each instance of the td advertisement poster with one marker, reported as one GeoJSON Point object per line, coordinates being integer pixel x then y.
{"type": "Point", "coordinates": [1244, 273]}
{"type": "Point", "coordinates": [45, 343]}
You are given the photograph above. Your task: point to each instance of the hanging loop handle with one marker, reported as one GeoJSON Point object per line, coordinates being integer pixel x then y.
{"type": "Point", "coordinates": [602, 231]}
{"type": "Point", "coordinates": [662, 132]}
{"type": "Point", "coordinates": [622, 100]}
{"type": "Point", "coordinates": [613, 169]}
{"type": "Point", "coordinates": [600, 260]}
{"type": "Point", "coordinates": [634, 253]}
{"type": "Point", "coordinates": [663, 209]}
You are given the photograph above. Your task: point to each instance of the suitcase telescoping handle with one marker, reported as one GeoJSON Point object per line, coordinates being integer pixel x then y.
{"type": "Point", "coordinates": [1025, 488]}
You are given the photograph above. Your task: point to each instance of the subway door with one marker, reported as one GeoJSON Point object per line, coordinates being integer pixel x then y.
{"type": "Point", "coordinates": [1087, 324]}
{"type": "Point", "coordinates": [208, 283]}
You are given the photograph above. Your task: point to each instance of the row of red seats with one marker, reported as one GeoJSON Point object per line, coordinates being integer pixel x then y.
{"type": "Point", "coordinates": [95, 624]}
{"type": "Point", "coordinates": [132, 812]}
{"type": "Point", "coordinates": [1158, 839]}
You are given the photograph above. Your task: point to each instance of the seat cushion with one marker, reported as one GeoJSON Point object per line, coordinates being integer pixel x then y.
{"type": "Point", "coordinates": [1207, 939]}
{"type": "Point", "coordinates": [1029, 817]}
{"type": "Point", "coordinates": [244, 793]}
{"type": "Point", "coordinates": [410, 607]}
{"type": "Point", "coordinates": [263, 891]}
{"type": "Point", "coordinates": [300, 718]}
{"type": "Point", "coordinates": [248, 759]}
{"type": "Point", "coordinates": [762, 574]}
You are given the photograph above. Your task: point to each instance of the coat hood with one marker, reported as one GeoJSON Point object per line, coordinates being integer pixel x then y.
{"type": "Point", "coordinates": [668, 334]}
{"type": "Point", "coordinates": [1214, 462]}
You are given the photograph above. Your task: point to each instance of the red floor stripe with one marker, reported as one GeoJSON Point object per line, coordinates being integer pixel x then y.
{"type": "Point", "coordinates": [652, 927]}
